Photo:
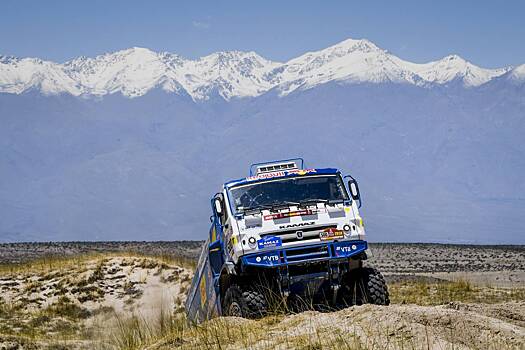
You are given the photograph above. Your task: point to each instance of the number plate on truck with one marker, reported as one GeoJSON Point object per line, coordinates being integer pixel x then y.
{"type": "Point", "coordinates": [331, 234]}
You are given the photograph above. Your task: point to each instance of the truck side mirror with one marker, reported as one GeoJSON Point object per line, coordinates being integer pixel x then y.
{"type": "Point", "coordinates": [218, 205]}
{"type": "Point", "coordinates": [354, 189]}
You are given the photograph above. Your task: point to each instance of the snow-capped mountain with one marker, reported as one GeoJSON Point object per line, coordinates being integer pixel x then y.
{"type": "Point", "coordinates": [436, 147]}
{"type": "Point", "coordinates": [452, 68]}
{"type": "Point", "coordinates": [517, 74]}
{"type": "Point", "coordinates": [134, 72]}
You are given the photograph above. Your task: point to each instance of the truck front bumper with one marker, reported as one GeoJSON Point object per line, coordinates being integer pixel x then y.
{"type": "Point", "coordinates": [337, 250]}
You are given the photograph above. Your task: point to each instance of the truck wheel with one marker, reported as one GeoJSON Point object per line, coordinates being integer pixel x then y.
{"type": "Point", "coordinates": [244, 303]}
{"type": "Point", "coordinates": [364, 286]}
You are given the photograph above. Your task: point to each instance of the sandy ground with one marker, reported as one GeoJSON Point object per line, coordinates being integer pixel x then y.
{"type": "Point", "coordinates": [82, 295]}
{"type": "Point", "coordinates": [64, 302]}
{"type": "Point", "coordinates": [119, 283]}
{"type": "Point", "coordinates": [451, 326]}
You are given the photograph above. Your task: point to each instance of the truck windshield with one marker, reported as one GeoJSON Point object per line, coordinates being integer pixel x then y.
{"type": "Point", "coordinates": [288, 191]}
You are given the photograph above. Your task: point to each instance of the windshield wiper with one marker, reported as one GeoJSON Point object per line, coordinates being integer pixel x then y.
{"type": "Point", "coordinates": [320, 200]}
{"type": "Point", "coordinates": [255, 208]}
{"type": "Point", "coordinates": [314, 201]}
{"type": "Point", "coordinates": [284, 204]}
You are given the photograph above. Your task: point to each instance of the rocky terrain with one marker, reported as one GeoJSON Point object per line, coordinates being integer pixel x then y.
{"type": "Point", "coordinates": [112, 296]}
{"type": "Point", "coordinates": [23, 252]}
{"type": "Point", "coordinates": [480, 264]}
{"type": "Point", "coordinates": [399, 261]}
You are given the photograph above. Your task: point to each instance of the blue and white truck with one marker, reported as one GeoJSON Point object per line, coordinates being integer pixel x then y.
{"type": "Point", "coordinates": [287, 232]}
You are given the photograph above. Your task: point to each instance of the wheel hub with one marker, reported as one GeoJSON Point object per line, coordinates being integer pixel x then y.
{"type": "Point", "coordinates": [235, 309]}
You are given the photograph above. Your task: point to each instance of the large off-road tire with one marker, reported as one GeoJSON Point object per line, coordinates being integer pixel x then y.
{"type": "Point", "coordinates": [245, 303]}
{"type": "Point", "coordinates": [364, 286]}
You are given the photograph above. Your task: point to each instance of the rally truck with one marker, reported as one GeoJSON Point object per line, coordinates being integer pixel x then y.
{"type": "Point", "coordinates": [289, 233]}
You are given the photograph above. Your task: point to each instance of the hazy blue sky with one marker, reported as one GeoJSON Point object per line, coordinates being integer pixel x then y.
{"type": "Point", "coordinates": [488, 33]}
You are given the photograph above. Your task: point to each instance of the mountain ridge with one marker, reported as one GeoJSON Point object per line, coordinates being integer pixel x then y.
{"type": "Point", "coordinates": [236, 74]}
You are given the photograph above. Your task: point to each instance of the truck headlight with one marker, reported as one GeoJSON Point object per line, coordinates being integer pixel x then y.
{"type": "Point", "coordinates": [357, 222]}
{"type": "Point", "coordinates": [252, 241]}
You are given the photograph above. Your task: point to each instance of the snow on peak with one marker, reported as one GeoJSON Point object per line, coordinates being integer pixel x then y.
{"type": "Point", "coordinates": [518, 73]}
{"type": "Point", "coordinates": [135, 71]}
{"type": "Point", "coordinates": [348, 61]}
{"type": "Point", "coordinates": [454, 68]}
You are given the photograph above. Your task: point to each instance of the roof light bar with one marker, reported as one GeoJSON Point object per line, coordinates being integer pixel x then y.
{"type": "Point", "coordinates": [279, 165]}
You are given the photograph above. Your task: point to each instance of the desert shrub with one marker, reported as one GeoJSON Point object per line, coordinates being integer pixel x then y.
{"type": "Point", "coordinates": [39, 321]}
{"type": "Point", "coordinates": [64, 307]}
{"type": "Point", "coordinates": [135, 332]}
{"type": "Point", "coordinates": [98, 273]}
{"type": "Point", "coordinates": [32, 287]}
{"type": "Point", "coordinates": [147, 263]}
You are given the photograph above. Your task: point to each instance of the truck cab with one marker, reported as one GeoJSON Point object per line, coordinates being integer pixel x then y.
{"type": "Point", "coordinates": [285, 234]}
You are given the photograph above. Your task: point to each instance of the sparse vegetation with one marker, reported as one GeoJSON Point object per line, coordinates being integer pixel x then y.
{"type": "Point", "coordinates": [66, 308]}
{"type": "Point", "coordinates": [425, 293]}
{"type": "Point", "coordinates": [50, 303]}
{"type": "Point", "coordinates": [64, 299]}
{"type": "Point", "coordinates": [364, 327]}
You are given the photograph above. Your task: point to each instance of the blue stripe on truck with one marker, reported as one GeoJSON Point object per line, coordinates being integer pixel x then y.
{"type": "Point", "coordinates": [293, 255]}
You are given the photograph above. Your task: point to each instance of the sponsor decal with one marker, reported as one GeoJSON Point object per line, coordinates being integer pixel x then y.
{"type": "Point", "coordinates": [271, 258]}
{"type": "Point", "coordinates": [269, 241]}
{"type": "Point", "coordinates": [299, 234]}
{"type": "Point", "coordinates": [346, 249]}
{"type": "Point", "coordinates": [297, 225]}
{"type": "Point", "coordinates": [289, 214]}
{"type": "Point", "coordinates": [203, 290]}
{"type": "Point", "coordinates": [267, 259]}
{"type": "Point", "coordinates": [266, 176]}
{"type": "Point", "coordinates": [274, 174]}
{"type": "Point", "coordinates": [213, 234]}
{"type": "Point", "coordinates": [331, 234]}
{"type": "Point", "coordinates": [301, 171]}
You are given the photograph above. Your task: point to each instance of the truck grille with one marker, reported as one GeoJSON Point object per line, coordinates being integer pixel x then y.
{"type": "Point", "coordinates": [308, 234]}
{"type": "Point", "coordinates": [307, 253]}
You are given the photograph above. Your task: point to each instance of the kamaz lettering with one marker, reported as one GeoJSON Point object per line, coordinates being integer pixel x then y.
{"type": "Point", "coordinates": [271, 241]}
{"type": "Point", "coordinates": [297, 225]}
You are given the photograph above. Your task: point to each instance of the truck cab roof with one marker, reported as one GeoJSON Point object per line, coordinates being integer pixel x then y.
{"type": "Point", "coordinates": [280, 174]}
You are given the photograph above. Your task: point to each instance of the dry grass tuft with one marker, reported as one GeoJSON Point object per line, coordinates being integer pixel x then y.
{"type": "Point", "coordinates": [424, 293]}
{"type": "Point", "coordinates": [65, 263]}
{"type": "Point", "coordinates": [65, 308]}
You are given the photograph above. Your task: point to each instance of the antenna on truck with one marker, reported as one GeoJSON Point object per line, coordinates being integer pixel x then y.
{"type": "Point", "coordinates": [276, 165]}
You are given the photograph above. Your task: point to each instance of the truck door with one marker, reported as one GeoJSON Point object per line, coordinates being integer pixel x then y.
{"type": "Point", "coordinates": [216, 247]}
